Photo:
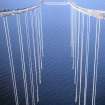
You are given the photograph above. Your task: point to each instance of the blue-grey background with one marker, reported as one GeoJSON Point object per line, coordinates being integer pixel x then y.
{"type": "Point", "coordinates": [57, 87]}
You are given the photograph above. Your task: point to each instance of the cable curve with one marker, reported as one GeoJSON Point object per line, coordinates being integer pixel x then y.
{"type": "Point", "coordinates": [8, 12]}
{"type": "Point", "coordinates": [91, 12]}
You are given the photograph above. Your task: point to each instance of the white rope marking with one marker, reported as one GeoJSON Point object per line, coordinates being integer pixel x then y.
{"type": "Point", "coordinates": [87, 59]}
{"type": "Point", "coordinates": [40, 13]}
{"type": "Point", "coordinates": [39, 46]}
{"type": "Point", "coordinates": [34, 48]}
{"type": "Point", "coordinates": [77, 63]}
{"type": "Point", "coordinates": [96, 61]}
{"type": "Point", "coordinates": [30, 59]}
{"type": "Point", "coordinates": [98, 44]}
{"type": "Point", "coordinates": [75, 45]}
{"type": "Point", "coordinates": [81, 59]}
{"type": "Point", "coordinates": [22, 58]}
{"type": "Point", "coordinates": [7, 35]}
{"type": "Point", "coordinates": [72, 36]}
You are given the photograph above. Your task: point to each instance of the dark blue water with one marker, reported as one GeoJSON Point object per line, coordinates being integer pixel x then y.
{"type": "Point", "coordinates": [57, 87]}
